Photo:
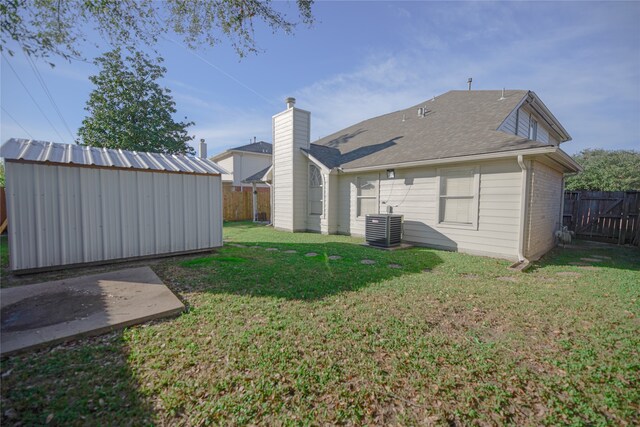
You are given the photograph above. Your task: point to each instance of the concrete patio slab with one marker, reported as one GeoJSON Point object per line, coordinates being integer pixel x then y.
{"type": "Point", "coordinates": [62, 310]}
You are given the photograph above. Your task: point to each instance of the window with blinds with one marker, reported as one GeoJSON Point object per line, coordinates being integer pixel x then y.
{"type": "Point", "coordinates": [315, 191]}
{"type": "Point", "coordinates": [458, 197]}
{"type": "Point", "coordinates": [367, 196]}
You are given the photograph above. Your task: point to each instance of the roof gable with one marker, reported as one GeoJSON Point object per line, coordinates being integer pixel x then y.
{"type": "Point", "coordinates": [457, 123]}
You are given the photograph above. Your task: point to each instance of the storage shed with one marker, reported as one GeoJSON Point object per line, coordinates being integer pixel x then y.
{"type": "Point", "coordinates": [69, 204]}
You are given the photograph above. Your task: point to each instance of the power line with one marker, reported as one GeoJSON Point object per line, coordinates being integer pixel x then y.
{"type": "Point", "coordinates": [17, 122]}
{"type": "Point", "coordinates": [48, 93]}
{"type": "Point", "coordinates": [32, 98]}
{"type": "Point", "coordinates": [222, 71]}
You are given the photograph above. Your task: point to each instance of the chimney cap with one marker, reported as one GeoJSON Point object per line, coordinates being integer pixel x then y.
{"type": "Point", "coordinates": [290, 101]}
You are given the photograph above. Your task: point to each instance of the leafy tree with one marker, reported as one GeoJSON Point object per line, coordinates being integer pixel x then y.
{"type": "Point", "coordinates": [129, 110]}
{"type": "Point", "coordinates": [45, 27]}
{"type": "Point", "coordinates": [607, 170]}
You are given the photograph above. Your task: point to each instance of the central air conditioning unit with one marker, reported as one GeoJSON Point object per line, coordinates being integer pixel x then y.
{"type": "Point", "coordinates": [384, 230]}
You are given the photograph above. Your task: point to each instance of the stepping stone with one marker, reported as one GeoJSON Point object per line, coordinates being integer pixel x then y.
{"type": "Point", "coordinates": [334, 257]}
{"type": "Point", "coordinates": [470, 275]}
{"type": "Point", "coordinates": [427, 270]}
{"type": "Point", "coordinates": [255, 247]}
{"type": "Point", "coordinates": [290, 251]}
{"type": "Point", "coordinates": [271, 249]}
{"type": "Point", "coordinates": [589, 267]}
{"type": "Point", "coordinates": [578, 263]}
{"type": "Point", "coordinates": [311, 254]}
{"type": "Point", "coordinates": [367, 262]}
{"type": "Point", "coordinates": [600, 256]}
{"type": "Point", "coordinates": [568, 274]}
{"type": "Point", "coordinates": [508, 279]}
{"type": "Point", "coordinates": [394, 266]}
{"type": "Point", "coordinates": [591, 259]}
{"type": "Point", "coordinates": [236, 245]}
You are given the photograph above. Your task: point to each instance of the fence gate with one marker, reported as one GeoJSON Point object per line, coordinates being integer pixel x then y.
{"type": "Point", "coordinates": [607, 216]}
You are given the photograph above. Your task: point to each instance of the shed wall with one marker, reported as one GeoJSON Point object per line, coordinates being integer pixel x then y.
{"type": "Point", "coordinates": [62, 215]}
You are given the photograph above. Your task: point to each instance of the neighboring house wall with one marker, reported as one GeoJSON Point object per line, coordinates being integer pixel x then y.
{"type": "Point", "coordinates": [227, 164]}
{"type": "Point", "coordinates": [414, 194]}
{"type": "Point", "coordinates": [64, 215]}
{"type": "Point", "coordinates": [242, 166]}
{"type": "Point", "coordinates": [247, 164]}
{"type": "Point", "coordinates": [290, 171]}
{"type": "Point", "coordinates": [545, 204]}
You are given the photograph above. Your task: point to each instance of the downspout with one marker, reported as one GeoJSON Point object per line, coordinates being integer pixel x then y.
{"type": "Point", "coordinates": [524, 192]}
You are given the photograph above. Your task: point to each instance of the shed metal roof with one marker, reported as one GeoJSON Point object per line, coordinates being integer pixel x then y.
{"type": "Point", "coordinates": [51, 152]}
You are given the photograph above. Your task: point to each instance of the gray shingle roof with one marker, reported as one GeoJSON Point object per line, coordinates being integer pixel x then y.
{"type": "Point", "coordinates": [255, 147]}
{"type": "Point", "coordinates": [258, 176]}
{"type": "Point", "coordinates": [457, 123]}
{"type": "Point", "coordinates": [51, 152]}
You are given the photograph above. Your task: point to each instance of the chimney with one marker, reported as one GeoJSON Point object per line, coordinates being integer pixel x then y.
{"type": "Point", "coordinates": [290, 102]}
{"type": "Point", "coordinates": [202, 152]}
{"type": "Point", "coordinates": [291, 134]}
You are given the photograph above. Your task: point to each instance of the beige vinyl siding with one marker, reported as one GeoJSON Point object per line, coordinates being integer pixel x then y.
{"type": "Point", "coordinates": [343, 211]}
{"type": "Point", "coordinates": [282, 175]}
{"type": "Point", "coordinates": [300, 169]}
{"type": "Point", "coordinates": [413, 193]}
{"type": "Point", "coordinates": [543, 210]}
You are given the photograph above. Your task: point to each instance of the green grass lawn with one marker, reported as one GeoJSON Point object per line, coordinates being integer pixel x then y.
{"type": "Point", "coordinates": [282, 338]}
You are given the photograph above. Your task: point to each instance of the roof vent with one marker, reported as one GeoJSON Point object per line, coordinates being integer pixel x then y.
{"type": "Point", "coordinates": [420, 112]}
{"type": "Point", "coordinates": [290, 102]}
{"type": "Point", "coordinates": [469, 80]}
{"type": "Point", "coordinates": [502, 97]}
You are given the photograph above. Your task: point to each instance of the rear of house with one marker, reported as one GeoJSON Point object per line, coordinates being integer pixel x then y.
{"type": "Point", "coordinates": [475, 171]}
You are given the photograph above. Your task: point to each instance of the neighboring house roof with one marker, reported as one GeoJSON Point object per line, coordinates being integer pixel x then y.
{"type": "Point", "coordinates": [457, 123]}
{"type": "Point", "coordinates": [259, 147]}
{"type": "Point", "coordinates": [258, 177]}
{"type": "Point", "coordinates": [54, 153]}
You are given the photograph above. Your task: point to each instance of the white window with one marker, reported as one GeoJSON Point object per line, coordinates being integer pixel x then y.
{"type": "Point", "coordinates": [367, 196]}
{"type": "Point", "coordinates": [533, 129]}
{"type": "Point", "coordinates": [458, 197]}
{"type": "Point", "coordinates": [315, 191]}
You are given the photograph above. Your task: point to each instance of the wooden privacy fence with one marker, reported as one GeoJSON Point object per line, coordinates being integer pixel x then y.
{"type": "Point", "coordinates": [237, 204]}
{"type": "Point", "coordinates": [607, 216]}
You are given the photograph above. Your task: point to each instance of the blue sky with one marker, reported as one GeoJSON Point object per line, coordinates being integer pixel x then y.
{"type": "Point", "coordinates": [362, 59]}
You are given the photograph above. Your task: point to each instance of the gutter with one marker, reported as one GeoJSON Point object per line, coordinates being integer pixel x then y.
{"type": "Point", "coordinates": [469, 158]}
{"type": "Point", "coordinates": [524, 192]}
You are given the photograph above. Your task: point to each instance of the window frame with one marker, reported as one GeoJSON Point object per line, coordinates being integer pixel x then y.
{"type": "Point", "coordinates": [533, 129]}
{"type": "Point", "coordinates": [376, 181]}
{"type": "Point", "coordinates": [475, 198]}
{"type": "Point", "coordinates": [321, 187]}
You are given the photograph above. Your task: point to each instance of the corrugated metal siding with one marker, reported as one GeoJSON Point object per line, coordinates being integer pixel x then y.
{"type": "Point", "coordinates": [64, 215]}
{"type": "Point", "coordinates": [42, 151]}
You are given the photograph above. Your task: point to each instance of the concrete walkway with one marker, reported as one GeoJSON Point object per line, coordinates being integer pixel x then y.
{"type": "Point", "coordinates": [53, 312]}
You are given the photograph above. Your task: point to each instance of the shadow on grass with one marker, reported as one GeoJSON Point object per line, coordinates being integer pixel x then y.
{"type": "Point", "coordinates": [584, 253]}
{"type": "Point", "coordinates": [304, 271]}
{"type": "Point", "coordinates": [88, 382]}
